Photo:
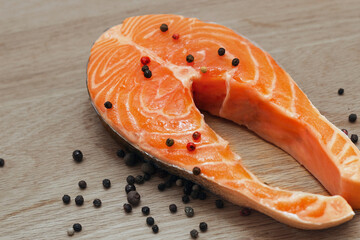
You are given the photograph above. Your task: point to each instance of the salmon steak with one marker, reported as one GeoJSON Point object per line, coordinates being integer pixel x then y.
{"type": "Point", "coordinates": [149, 77]}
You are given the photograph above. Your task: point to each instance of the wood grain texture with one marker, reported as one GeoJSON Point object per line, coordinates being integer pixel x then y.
{"type": "Point", "coordinates": [45, 114]}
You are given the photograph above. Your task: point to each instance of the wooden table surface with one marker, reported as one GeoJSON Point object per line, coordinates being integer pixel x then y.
{"type": "Point", "coordinates": [45, 114]}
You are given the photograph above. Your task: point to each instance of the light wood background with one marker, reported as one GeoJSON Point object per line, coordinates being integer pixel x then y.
{"type": "Point", "coordinates": [45, 114]}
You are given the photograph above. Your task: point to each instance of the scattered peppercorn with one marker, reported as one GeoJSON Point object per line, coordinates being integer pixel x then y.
{"type": "Point", "coordinates": [173, 178]}
{"type": "Point", "coordinates": [354, 138]}
{"type": "Point", "coordinates": [195, 187]}
{"type": "Point", "coordinates": [179, 183]}
{"type": "Point", "coordinates": [145, 210]}
{"type": "Point", "coordinates": [79, 200]}
{"type": "Point", "coordinates": [196, 171]}
{"type": "Point", "coordinates": [106, 183]}
{"type": "Point", "coordinates": [190, 146]}
{"type": "Point", "coordinates": [139, 179]}
{"type": "Point", "coordinates": [70, 232]}
{"type": "Point", "coordinates": [77, 156]}
{"type": "Point", "coordinates": [130, 179]}
{"type": "Point", "coordinates": [168, 184]}
{"type": "Point", "coordinates": [2, 162]}
{"type": "Point", "coordinates": [235, 62]}
{"type": "Point", "coordinates": [245, 211]}
{"type": "Point", "coordinates": [66, 199]}
{"type": "Point", "coordinates": [189, 58]}
{"type": "Point", "coordinates": [345, 131]}
{"type": "Point", "coordinates": [161, 187]}
{"type": "Point", "coordinates": [77, 227]}
{"type": "Point", "coordinates": [144, 68]}
{"type": "Point", "coordinates": [147, 73]}
{"type": "Point", "coordinates": [203, 69]}
{"type": "Point", "coordinates": [221, 51]}
{"type": "Point", "coordinates": [97, 203]}
{"type": "Point", "coordinates": [108, 105]}
{"type": "Point", "coordinates": [187, 190]}
{"type": "Point", "coordinates": [147, 177]}
{"type": "Point", "coordinates": [127, 208]}
{"type": "Point", "coordinates": [189, 211]}
{"type": "Point", "coordinates": [148, 168]}
{"type": "Point", "coordinates": [196, 135]}
{"type": "Point", "coordinates": [155, 228]}
{"type": "Point", "coordinates": [129, 188]}
{"type": "Point", "coordinates": [175, 36]}
{"type": "Point", "coordinates": [185, 199]}
{"type": "Point", "coordinates": [164, 27]}
{"type": "Point", "coordinates": [130, 159]}
{"type": "Point", "coordinates": [173, 208]}
{"type": "Point", "coordinates": [194, 194]}
{"type": "Point", "coordinates": [133, 198]}
{"type": "Point", "coordinates": [219, 203]}
{"type": "Point", "coordinates": [145, 60]}
{"type": "Point", "coordinates": [120, 153]}
{"type": "Point", "coordinates": [352, 117]}
{"type": "Point", "coordinates": [82, 184]}
{"type": "Point", "coordinates": [203, 226]}
{"type": "Point", "coordinates": [194, 233]}
{"type": "Point", "coordinates": [150, 221]}
{"type": "Point", "coordinates": [162, 173]}
{"type": "Point", "coordinates": [202, 195]}
{"type": "Point", "coordinates": [169, 142]}
{"type": "Point", "coordinates": [341, 91]}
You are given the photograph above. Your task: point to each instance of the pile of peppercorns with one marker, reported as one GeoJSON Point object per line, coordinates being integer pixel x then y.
{"type": "Point", "coordinates": [352, 118]}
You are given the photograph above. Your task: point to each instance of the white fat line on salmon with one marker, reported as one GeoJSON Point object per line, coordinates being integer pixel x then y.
{"type": "Point", "coordinates": [332, 140]}
{"type": "Point", "coordinates": [345, 148]}
{"type": "Point", "coordinates": [293, 95]}
{"type": "Point", "coordinates": [350, 160]}
{"type": "Point", "coordinates": [274, 80]}
{"type": "Point", "coordinates": [228, 77]}
{"type": "Point", "coordinates": [256, 78]}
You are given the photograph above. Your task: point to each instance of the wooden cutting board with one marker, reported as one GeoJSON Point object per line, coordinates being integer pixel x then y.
{"type": "Point", "coordinates": [46, 114]}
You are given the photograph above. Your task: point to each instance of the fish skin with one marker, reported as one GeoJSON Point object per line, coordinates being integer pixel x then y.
{"type": "Point", "coordinates": [257, 93]}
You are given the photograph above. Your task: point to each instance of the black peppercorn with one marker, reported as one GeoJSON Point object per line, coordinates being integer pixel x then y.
{"type": "Point", "coordinates": [129, 188]}
{"type": "Point", "coordinates": [173, 178]}
{"type": "Point", "coordinates": [187, 190]}
{"type": "Point", "coordinates": [150, 221]}
{"type": "Point", "coordinates": [196, 171]}
{"type": "Point", "coordinates": [147, 177]}
{"type": "Point", "coordinates": [161, 187]}
{"type": "Point", "coordinates": [2, 162]}
{"type": "Point", "coordinates": [148, 168]}
{"type": "Point", "coordinates": [219, 203]}
{"type": "Point", "coordinates": [245, 211]}
{"type": "Point", "coordinates": [169, 142]}
{"type": "Point", "coordinates": [147, 74]}
{"type": "Point", "coordinates": [202, 195]}
{"type": "Point", "coordinates": [164, 27]}
{"type": "Point", "coordinates": [189, 58]}
{"type": "Point", "coordinates": [139, 179]}
{"type": "Point", "coordinates": [108, 105]}
{"type": "Point", "coordinates": [185, 199]}
{"type": "Point", "coordinates": [120, 153]}
{"type": "Point", "coordinates": [66, 199]}
{"type": "Point", "coordinates": [194, 233]}
{"type": "Point", "coordinates": [144, 68]}
{"type": "Point", "coordinates": [189, 211]}
{"type": "Point", "coordinates": [168, 184]}
{"type": "Point", "coordinates": [82, 184]}
{"type": "Point", "coordinates": [341, 91]}
{"type": "Point", "coordinates": [127, 208]}
{"type": "Point", "coordinates": [354, 138]}
{"type": "Point", "coordinates": [235, 62]}
{"type": "Point", "coordinates": [106, 183]}
{"type": "Point", "coordinates": [145, 210]}
{"type": "Point", "coordinates": [77, 156]}
{"type": "Point", "coordinates": [77, 227]}
{"type": "Point", "coordinates": [97, 203]}
{"type": "Point", "coordinates": [221, 51]}
{"type": "Point", "coordinates": [162, 173]}
{"type": "Point", "coordinates": [203, 226]}
{"type": "Point", "coordinates": [79, 200]}
{"type": "Point", "coordinates": [352, 117]}
{"type": "Point", "coordinates": [133, 198]}
{"type": "Point", "coordinates": [194, 194]}
{"type": "Point", "coordinates": [130, 179]}
{"type": "Point", "coordinates": [155, 228]}
{"type": "Point", "coordinates": [130, 159]}
{"type": "Point", "coordinates": [173, 208]}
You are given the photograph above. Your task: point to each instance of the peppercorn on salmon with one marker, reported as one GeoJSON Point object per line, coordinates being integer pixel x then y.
{"type": "Point", "coordinates": [153, 108]}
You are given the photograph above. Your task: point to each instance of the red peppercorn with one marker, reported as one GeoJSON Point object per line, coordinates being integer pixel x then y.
{"type": "Point", "coordinates": [175, 36]}
{"type": "Point", "coordinates": [191, 146]}
{"type": "Point", "coordinates": [196, 135]}
{"type": "Point", "coordinates": [145, 60]}
{"type": "Point", "coordinates": [345, 131]}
